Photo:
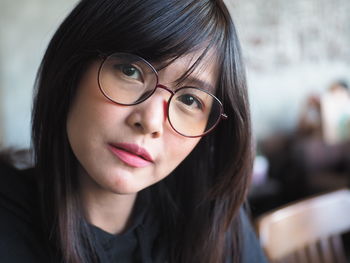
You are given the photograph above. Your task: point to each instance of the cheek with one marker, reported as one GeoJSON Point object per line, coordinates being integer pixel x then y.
{"type": "Point", "coordinates": [178, 148]}
{"type": "Point", "coordinates": [91, 116]}
{"type": "Point", "coordinates": [80, 123]}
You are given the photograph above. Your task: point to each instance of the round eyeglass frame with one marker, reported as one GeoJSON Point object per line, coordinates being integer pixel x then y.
{"type": "Point", "coordinates": [157, 85]}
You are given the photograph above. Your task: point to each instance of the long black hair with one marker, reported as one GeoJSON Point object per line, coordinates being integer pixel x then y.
{"type": "Point", "coordinates": [198, 204]}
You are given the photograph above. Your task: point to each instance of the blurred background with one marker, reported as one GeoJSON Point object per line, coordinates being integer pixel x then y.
{"type": "Point", "coordinates": [26, 27]}
{"type": "Point", "coordinates": [297, 57]}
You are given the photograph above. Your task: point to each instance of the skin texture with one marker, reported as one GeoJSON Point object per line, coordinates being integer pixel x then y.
{"type": "Point", "coordinates": [109, 186]}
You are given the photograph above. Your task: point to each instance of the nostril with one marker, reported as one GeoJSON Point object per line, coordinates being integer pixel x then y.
{"type": "Point", "coordinates": [156, 134]}
{"type": "Point", "coordinates": [138, 125]}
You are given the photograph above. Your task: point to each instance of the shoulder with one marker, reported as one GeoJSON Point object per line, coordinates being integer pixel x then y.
{"type": "Point", "coordinates": [251, 249]}
{"type": "Point", "coordinates": [19, 227]}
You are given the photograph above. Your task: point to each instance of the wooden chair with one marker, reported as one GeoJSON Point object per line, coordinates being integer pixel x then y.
{"type": "Point", "coordinates": [307, 231]}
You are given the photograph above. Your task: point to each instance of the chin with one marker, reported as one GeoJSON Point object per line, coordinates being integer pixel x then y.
{"type": "Point", "coordinates": [125, 184]}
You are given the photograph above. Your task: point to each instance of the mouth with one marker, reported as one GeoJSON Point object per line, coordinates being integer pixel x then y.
{"type": "Point", "coordinates": [131, 154]}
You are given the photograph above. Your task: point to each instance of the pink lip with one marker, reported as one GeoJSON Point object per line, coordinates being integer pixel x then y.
{"type": "Point", "coordinates": [131, 154]}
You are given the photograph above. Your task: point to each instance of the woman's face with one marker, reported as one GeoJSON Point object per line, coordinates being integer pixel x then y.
{"type": "Point", "coordinates": [125, 149]}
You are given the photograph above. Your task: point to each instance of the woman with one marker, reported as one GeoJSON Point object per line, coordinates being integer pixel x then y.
{"type": "Point", "coordinates": [141, 135]}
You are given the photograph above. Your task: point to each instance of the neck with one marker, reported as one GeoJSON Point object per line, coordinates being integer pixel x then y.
{"type": "Point", "coordinates": [105, 209]}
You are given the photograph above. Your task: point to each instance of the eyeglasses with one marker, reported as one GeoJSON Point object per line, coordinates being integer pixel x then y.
{"type": "Point", "coordinates": [127, 79]}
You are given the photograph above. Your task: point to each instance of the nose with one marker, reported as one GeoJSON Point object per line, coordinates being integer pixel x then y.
{"type": "Point", "coordinates": [150, 116]}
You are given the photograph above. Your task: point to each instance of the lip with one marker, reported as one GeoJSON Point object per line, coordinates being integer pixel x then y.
{"type": "Point", "coordinates": [131, 154]}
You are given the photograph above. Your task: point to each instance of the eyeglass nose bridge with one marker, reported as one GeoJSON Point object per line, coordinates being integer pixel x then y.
{"type": "Point", "coordinates": [160, 86]}
{"type": "Point", "coordinates": [164, 88]}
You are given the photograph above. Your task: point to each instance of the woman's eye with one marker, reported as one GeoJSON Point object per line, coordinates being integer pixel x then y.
{"type": "Point", "coordinates": [191, 101]}
{"type": "Point", "coordinates": [130, 71]}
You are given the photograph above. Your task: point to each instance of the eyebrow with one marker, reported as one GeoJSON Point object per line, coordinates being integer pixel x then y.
{"type": "Point", "coordinates": [193, 80]}
{"type": "Point", "coordinates": [198, 83]}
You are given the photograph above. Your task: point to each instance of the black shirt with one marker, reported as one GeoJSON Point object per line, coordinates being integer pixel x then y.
{"type": "Point", "coordinates": [21, 242]}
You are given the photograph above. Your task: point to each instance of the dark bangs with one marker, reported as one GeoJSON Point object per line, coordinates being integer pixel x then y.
{"type": "Point", "coordinates": [155, 30]}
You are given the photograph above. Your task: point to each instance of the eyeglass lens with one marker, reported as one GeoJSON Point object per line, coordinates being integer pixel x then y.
{"type": "Point", "coordinates": [128, 80]}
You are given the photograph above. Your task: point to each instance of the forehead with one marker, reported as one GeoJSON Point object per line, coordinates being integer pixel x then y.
{"type": "Point", "coordinates": [188, 69]}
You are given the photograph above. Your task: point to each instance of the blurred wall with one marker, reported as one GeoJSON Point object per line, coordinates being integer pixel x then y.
{"type": "Point", "coordinates": [292, 48]}
{"type": "Point", "coordinates": [25, 29]}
